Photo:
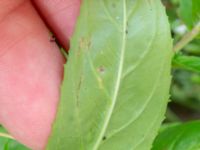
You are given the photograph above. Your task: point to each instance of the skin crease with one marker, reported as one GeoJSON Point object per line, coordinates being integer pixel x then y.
{"type": "Point", "coordinates": [31, 66]}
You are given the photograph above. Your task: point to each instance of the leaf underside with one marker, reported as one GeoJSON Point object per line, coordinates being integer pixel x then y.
{"type": "Point", "coordinates": [117, 77]}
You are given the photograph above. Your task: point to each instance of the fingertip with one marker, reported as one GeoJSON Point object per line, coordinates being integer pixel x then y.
{"type": "Point", "coordinates": [60, 16]}
{"type": "Point", "coordinates": [31, 70]}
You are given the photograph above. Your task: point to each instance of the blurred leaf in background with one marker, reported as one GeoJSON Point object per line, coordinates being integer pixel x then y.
{"type": "Point", "coordinates": [190, 63]}
{"type": "Point", "coordinates": [179, 137]}
{"type": "Point", "coordinates": [189, 12]}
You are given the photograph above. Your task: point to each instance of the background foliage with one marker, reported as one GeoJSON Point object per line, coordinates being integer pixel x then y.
{"type": "Point", "coordinates": [180, 131]}
{"type": "Point", "coordinates": [184, 15]}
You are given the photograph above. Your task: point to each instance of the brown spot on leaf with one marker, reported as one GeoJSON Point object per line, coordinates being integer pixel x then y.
{"type": "Point", "coordinates": [101, 69]}
{"type": "Point", "coordinates": [85, 43]}
{"type": "Point", "coordinates": [78, 91]}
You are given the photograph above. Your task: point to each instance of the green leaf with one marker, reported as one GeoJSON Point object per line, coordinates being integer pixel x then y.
{"type": "Point", "coordinates": [190, 12]}
{"type": "Point", "coordinates": [191, 63]}
{"type": "Point", "coordinates": [196, 10]}
{"type": "Point", "coordinates": [118, 70]}
{"type": "Point", "coordinates": [179, 137]}
{"type": "Point", "coordinates": [9, 144]}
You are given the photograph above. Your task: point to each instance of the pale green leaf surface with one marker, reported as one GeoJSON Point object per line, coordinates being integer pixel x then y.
{"type": "Point", "coordinates": [179, 137]}
{"type": "Point", "coordinates": [117, 77]}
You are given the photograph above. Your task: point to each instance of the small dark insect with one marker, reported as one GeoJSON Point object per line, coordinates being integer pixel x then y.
{"type": "Point", "coordinates": [52, 38]}
{"type": "Point", "coordinates": [104, 138]}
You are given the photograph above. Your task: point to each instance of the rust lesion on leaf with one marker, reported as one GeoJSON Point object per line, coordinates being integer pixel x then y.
{"type": "Point", "coordinates": [78, 91]}
{"type": "Point", "coordinates": [101, 69]}
{"type": "Point", "coordinates": [100, 82]}
{"type": "Point", "coordinates": [85, 43]}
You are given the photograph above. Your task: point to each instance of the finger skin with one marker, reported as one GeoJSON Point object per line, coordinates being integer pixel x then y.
{"type": "Point", "coordinates": [61, 16]}
{"type": "Point", "coordinates": [31, 69]}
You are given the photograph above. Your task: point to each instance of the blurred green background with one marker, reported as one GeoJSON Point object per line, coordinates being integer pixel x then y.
{"type": "Point", "coordinates": [185, 89]}
{"type": "Point", "coordinates": [181, 128]}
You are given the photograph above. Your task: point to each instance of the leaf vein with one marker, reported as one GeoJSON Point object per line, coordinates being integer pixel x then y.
{"type": "Point", "coordinates": [151, 93]}
{"type": "Point", "coordinates": [118, 82]}
{"type": "Point", "coordinates": [109, 16]}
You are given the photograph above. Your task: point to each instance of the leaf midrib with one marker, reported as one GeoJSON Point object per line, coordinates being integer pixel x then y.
{"type": "Point", "coordinates": [118, 81]}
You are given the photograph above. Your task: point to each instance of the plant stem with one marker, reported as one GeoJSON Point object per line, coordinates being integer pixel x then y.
{"type": "Point", "coordinates": [188, 37]}
{"type": "Point", "coordinates": [6, 135]}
